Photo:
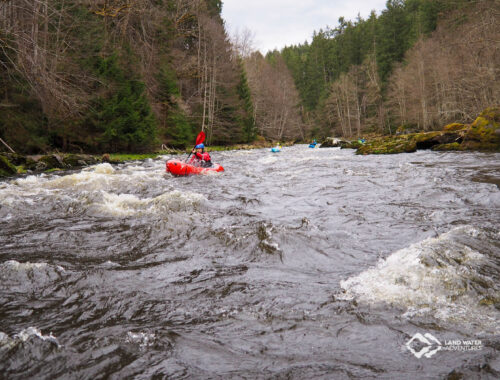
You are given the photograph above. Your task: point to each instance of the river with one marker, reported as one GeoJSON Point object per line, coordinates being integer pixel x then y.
{"type": "Point", "coordinates": [308, 263]}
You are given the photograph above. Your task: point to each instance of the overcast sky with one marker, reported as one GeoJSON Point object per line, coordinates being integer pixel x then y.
{"type": "Point", "coordinates": [277, 23]}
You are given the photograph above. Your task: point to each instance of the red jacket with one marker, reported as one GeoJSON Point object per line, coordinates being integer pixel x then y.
{"type": "Point", "coordinates": [200, 157]}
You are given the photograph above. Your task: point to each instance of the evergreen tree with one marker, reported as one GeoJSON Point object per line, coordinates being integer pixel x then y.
{"type": "Point", "coordinates": [247, 120]}
{"type": "Point", "coordinates": [121, 115]}
{"type": "Point", "coordinates": [126, 119]}
{"type": "Point", "coordinates": [176, 128]}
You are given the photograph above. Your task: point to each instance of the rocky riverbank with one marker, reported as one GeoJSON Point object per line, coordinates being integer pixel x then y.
{"type": "Point", "coordinates": [482, 135]}
{"type": "Point", "coordinates": [12, 164]}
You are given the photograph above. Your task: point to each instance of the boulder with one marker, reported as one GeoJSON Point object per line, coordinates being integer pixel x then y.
{"type": "Point", "coordinates": [30, 164]}
{"type": "Point", "coordinates": [40, 166]}
{"type": "Point", "coordinates": [15, 159]}
{"type": "Point", "coordinates": [72, 160]}
{"type": "Point", "coordinates": [331, 142]}
{"type": "Point", "coordinates": [355, 144]}
{"type": "Point", "coordinates": [445, 140]}
{"type": "Point", "coordinates": [391, 145]}
{"type": "Point", "coordinates": [90, 160]}
{"type": "Point", "coordinates": [454, 127]}
{"type": "Point", "coordinates": [78, 160]}
{"type": "Point", "coordinates": [6, 167]}
{"type": "Point", "coordinates": [428, 140]}
{"type": "Point", "coordinates": [52, 161]}
{"type": "Point", "coordinates": [482, 134]}
{"type": "Point", "coordinates": [448, 147]}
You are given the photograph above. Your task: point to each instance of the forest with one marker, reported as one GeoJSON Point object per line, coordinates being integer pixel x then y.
{"type": "Point", "coordinates": [418, 66]}
{"type": "Point", "coordinates": [135, 75]}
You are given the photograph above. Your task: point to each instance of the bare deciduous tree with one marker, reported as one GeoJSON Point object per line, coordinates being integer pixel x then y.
{"type": "Point", "coordinates": [275, 98]}
{"type": "Point", "coordinates": [450, 76]}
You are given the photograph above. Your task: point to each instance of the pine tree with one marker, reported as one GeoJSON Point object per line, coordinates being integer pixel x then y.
{"type": "Point", "coordinates": [175, 130]}
{"type": "Point", "coordinates": [247, 120]}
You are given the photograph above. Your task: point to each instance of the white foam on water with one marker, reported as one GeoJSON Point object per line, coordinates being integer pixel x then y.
{"type": "Point", "coordinates": [123, 205]}
{"type": "Point", "coordinates": [26, 334]}
{"type": "Point", "coordinates": [27, 181]}
{"type": "Point", "coordinates": [96, 178]}
{"type": "Point", "coordinates": [43, 181]}
{"type": "Point", "coordinates": [20, 189]}
{"type": "Point", "coordinates": [242, 152]}
{"type": "Point", "coordinates": [266, 160]}
{"type": "Point", "coordinates": [110, 264]}
{"type": "Point", "coordinates": [14, 265]}
{"type": "Point", "coordinates": [6, 342]}
{"type": "Point", "coordinates": [95, 189]}
{"type": "Point", "coordinates": [141, 338]}
{"type": "Point", "coordinates": [332, 157]}
{"type": "Point", "coordinates": [438, 276]}
{"type": "Point", "coordinates": [29, 278]}
{"type": "Point", "coordinates": [213, 173]}
{"type": "Point", "coordinates": [356, 173]}
{"type": "Point", "coordinates": [102, 177]}
{"type": "Point", "coordinates": [103, 169]}
{"type": "Point", "coordinates": [93, 178]}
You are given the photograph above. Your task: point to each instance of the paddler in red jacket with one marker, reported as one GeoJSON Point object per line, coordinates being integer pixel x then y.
{"type": "Point", "coordinates": [200, 157]}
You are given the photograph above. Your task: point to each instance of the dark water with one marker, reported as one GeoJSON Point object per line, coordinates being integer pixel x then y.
{"type": "Point", "coordinates": [309, 263]}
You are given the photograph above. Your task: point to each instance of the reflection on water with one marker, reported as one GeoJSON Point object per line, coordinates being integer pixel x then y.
{"type": "Point", "coordinates": [312, 264]}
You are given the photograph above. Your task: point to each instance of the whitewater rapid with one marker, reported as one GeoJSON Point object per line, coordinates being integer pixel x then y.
{"type": "Point", "coordinates": [308, 263]}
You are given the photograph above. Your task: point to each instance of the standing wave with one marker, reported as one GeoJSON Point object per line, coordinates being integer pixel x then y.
{"type": "Point", "coordinates": [454, 277]}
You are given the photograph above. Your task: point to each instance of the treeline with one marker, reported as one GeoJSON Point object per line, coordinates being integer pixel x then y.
{"type": "Point", "coordinates": [121, 75]}
{"type": "Point", "coordinates": [133, 75]}
{"type": "Point", "coordinates": [420, 64]}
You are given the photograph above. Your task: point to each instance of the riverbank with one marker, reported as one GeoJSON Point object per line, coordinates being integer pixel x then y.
{"type": "Point", "coordinates": [12, 164]}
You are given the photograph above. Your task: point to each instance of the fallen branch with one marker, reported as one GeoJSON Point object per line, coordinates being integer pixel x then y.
{"type": "Point", "coordinates": [4, 143]}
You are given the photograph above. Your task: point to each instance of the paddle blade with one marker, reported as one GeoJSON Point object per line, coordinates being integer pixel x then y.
{"type": "Point", "coordinates": [200, 138]}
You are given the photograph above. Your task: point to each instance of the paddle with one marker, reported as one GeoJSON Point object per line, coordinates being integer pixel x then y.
{"type": "Point", "coordinates": [199, 139]}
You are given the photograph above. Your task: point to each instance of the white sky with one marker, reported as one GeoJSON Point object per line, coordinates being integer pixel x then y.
{"type": "Point", "coordinates": [279, 23]}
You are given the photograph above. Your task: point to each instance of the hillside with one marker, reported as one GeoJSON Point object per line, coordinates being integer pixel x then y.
{"type": "Point", "coordinates": [419, 65]}
{"type": "Point", "coordinates": [118, 75]}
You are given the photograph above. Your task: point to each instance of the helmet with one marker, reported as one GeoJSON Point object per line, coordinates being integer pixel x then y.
{"type": "Point", "coordinates": [200, 146]}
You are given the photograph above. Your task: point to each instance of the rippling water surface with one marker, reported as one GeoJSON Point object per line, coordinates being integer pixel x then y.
{"type": "Point", "coordinates": [309, 263]}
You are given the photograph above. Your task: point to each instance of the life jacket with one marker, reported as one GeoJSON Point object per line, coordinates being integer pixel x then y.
{"type": "Point", "coordinates": [206, 160]}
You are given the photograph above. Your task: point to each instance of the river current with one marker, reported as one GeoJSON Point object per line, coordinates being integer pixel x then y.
{"type": "Point", "coordinates": [308, 263]}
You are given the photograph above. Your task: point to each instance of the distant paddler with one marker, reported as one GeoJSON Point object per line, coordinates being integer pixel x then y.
{"type": "Point", "coordinates": [276, 149]}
